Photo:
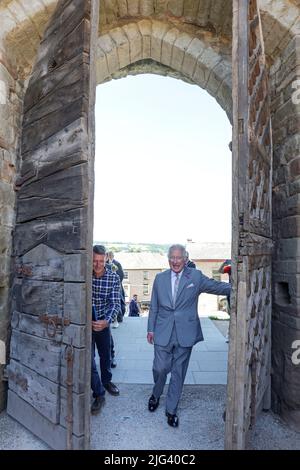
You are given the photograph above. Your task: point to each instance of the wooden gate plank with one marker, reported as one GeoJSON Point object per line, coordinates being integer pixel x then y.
{"type": "Point", "coordinates": [38, 297]}
{"type": "Point", "coordinates": [63, 232]}
{"type": "Point", "coordinates": [53, 233]}
{"type": "Point", "coordinates": [32, 325]}
{"type": "Point", "coordinates": [39, 354]}
{"type": "Point", "coordinates": [54, 434]}
{"type": "Point", "coordinates": [40, 393]}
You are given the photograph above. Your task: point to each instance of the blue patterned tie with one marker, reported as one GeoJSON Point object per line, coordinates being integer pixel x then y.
{"type": "Point", "coordinates": [175, 288]}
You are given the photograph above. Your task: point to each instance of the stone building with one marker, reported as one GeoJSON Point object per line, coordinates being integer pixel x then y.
{"type": "Point", "coordinates": [140, 270]}
{"type": "Point", "coordinates": [208, 257]}
{"type": "Point", "coordinates": [52, 55]}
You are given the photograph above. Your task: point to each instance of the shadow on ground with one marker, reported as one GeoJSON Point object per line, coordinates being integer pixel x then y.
{"type": "Point", "coordinates": [126, 424]}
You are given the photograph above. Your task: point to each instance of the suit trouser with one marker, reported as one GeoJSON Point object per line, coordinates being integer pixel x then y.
{"type": "Point", "coordinates": [175, 359]}
{"type": "Point", "coordinates": [101, 339]}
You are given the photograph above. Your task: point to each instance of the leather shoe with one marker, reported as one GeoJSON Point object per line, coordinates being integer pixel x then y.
{"type": "Point", "coordinates": [113, 363]}
{"type": "Point", "coordinates": [97, 404]}
{"type": "Point", "coordinates": [112, 388]}
{"type": "Point", "coordinates": [172, 420]}
{"type": "Point", "coordinates": [153, 403]}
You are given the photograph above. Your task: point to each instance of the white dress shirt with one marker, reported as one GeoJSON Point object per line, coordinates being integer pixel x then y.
{"type": "Point", "coordinates": [173, 278]}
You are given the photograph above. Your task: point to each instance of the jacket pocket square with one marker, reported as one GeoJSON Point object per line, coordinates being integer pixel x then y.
{"type": "Point", "coordinates": [190, 285]}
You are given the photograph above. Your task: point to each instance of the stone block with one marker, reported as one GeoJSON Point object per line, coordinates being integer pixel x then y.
{"type": "Point", "coordinates": [109, 48]}
{"type": "Point", "coordinates": [294, 187]}
{"type": "Point", "coordinates": [289, 248]}
{"type": "Point", "coordinates": [180, 46]}
{"type": "Point", "coordinates": [290, 227]}
{"type": "Point", "coordinates": [286, 267]}
{"type": "Point", "coordinates": [147, 8]}
{"type": "Point", "coordinates": [145, 28]}
{"type": "Point", "coordinates": [122, 44]}
{"type": "Point", "coordinates": [133, 8]}
{"type": "Point", "coordinates": [294, 168]}
{"type": "Point", "coordinates": [282, 114]}
{"type": "Point", "coordinates": [290, 148]}
{"type": "Point", "coordinates": [7, 171]}
{"type": "Point", "coordinates": [192, 54]}
{"type": "Point", "coordinates": [279, 135]}
{"type": "Point", "coordinates": [293, 122]}
{"type": "Point", "coordinates": [6, 78]}
{"type": "Point", "coordinates": [135, 40]}
{"type": "Point", "coordinates": [159, 31]}
{"type": "Point", "coordinates": [279, 203]}
{"type": "Point", "coordinates": [168, 46]}
{"type": "Point", "coordinates": [176, 7]}
{"type": "Point", "coordinates": [209, 58]}
{"type": "Point", "coordinates": [201, 75]}
{"type": "Point", "coordinates": [293, 205]}
{"type": "Point", "coordinates": [102, 71]}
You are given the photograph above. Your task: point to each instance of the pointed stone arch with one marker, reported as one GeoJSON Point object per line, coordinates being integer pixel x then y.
{"type": "Point", "coordinates": [188, 56]}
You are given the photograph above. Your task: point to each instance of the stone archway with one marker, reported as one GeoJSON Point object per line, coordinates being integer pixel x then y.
{"type": "Point", "coordinates": [171, 51]}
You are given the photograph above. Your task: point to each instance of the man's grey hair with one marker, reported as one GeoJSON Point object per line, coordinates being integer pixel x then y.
{"type": "Point", "coordinates": [177, 247]}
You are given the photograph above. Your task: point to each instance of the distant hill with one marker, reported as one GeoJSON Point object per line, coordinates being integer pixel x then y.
{"type": "Point", "coordinates": [133, 247]}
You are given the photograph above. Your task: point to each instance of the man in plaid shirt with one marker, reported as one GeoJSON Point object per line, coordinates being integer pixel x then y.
{"type": "Point", "coordinates": [106, 305]}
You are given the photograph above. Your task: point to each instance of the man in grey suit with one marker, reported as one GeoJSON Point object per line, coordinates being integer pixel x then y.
{"type": "Point", "coordinates": [174, 326]}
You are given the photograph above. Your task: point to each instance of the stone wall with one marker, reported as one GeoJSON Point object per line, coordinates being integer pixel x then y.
{"type": "Point", "coordinates": [11, 93]}
{"type": "Point", "coordinates": [286, 232]}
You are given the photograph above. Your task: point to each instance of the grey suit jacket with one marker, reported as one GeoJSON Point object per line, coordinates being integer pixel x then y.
{"type": "Point", "coordinates": [184, 314]}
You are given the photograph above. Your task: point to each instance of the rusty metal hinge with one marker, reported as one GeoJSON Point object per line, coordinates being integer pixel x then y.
{"type": "Point", "coordinates": [24, 270]}
{"type": "Point", "coordinates": [69, 356]}
{"type": "Point", "coordinates": [241, 126]}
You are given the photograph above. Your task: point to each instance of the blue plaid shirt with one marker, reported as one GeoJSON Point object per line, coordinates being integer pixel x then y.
{"type": "Point", "coordinates": [106, 295]}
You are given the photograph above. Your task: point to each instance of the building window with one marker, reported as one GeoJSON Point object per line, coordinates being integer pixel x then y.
{"type": "Point", "coordinates": [146, 289]}
{"type": "Point", "coordinates": [146, 275]}
{"type": "Point", "coordinates": [125, 274]}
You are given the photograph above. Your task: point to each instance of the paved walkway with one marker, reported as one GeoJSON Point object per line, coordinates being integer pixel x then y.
{"type": "Point", "coordinates": [134, 356]}
{"type": "Point", "coordinates": [125, 422]}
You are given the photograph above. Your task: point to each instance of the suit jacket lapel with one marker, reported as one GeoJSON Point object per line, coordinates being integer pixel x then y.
{"type": "Point", "coordinates": [185, 278]}
{"type": "Point", "coordinates": [169, 285]}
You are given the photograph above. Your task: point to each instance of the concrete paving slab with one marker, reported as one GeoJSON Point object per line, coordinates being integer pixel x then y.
{"type": "Point", "coordinates": [209, 377]}
{"type": "Point", "coordinates": [132, 349]}
{"type": "Point", "coordinates": [212, 366]}
{"type": "Point", "coordinates": [125, 423]}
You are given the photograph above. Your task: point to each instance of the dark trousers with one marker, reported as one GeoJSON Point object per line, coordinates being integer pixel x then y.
{"type": "Point", "coordinates": [122, 305]}
{"type": "Point", "coordinates": [101, 340]}
{"type": "Point", "coordinates": [112, 348]}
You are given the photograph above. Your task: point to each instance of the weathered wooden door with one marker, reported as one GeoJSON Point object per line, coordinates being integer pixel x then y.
{"type": "Point", "coordinates": [250, 338]}
{"type": "Point", "coordinates": [50, 357]}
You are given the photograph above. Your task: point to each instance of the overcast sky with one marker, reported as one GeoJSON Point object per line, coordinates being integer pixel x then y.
{"type": "Point", "coordinates": [163, 166]}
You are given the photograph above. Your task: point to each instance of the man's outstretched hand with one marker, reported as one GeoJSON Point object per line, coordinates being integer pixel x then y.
{"type": "Point", "coordinates": [150, 338]}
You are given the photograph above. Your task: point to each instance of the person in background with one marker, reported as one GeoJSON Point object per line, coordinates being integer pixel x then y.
{"type": "Point", "coordinates": [116, 267]}
{"type": "Point", "coordinates": [105, 304]}
{"type": "Point", "coordinates": [189, 263]}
